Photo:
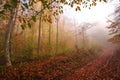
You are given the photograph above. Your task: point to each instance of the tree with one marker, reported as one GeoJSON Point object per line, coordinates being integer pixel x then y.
{"type": "Point", "coordinates": [115, 27]}
{"type": "Point", "coordinates": [50, 27]}
{"type": "Point", "coordinates": [7, 40]}
{"type": "Point", "coordinates": [39, 32]}
{"type": "Point", "coordinates": [49, 42]}
{"type": "Point", "coordinates": [57, 35]}
{"type": "Point", "coordinates": [14, 24]}
{"type": "Point", "coordinates": [8, 7]}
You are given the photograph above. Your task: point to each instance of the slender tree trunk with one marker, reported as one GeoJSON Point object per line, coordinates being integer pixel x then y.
{"type": "Point", "coordinates": [49, 37]}
{"type": "Point", "coordinates": [7, 40]}
{"type": "Point", "coordinates": [50, 25]}
{"type": "Point", "coordinates": [57, 38]}
{"type": "Point", "coordinates": [63, 32]}
{"type": "Point", "coordinates": [39, 33]}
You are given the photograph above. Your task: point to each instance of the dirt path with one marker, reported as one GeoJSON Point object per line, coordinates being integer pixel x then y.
{"type": "Point", "coordinates": [88, 71]}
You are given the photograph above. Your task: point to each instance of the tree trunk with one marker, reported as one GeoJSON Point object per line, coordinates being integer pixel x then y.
{"type": "Point", "coordinates": [39, 33]}
{"type": "Point", "coordinates": [49, 42]}
{"type": "Point", "coordinates": [7, 40]}
{"type": "Point", "coordinates": [57, 38]}
{"type": "Point", "coordinates": [63, 32]}
{"type": "Point", "coordinates": [13, 26]}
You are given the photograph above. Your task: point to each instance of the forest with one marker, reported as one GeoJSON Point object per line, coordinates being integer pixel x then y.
{"type": "Point", "coordinates": [59, 39]}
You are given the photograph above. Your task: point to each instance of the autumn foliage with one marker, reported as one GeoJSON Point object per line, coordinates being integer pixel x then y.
{"type": "Point", "coordinates": [47, 69]}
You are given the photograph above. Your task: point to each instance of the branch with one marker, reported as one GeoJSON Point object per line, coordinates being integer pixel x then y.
{"type": "Point", "coordinates": [40, 11]}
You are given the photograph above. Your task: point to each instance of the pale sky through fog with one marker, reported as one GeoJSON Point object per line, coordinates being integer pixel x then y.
{"type": "Point", "coordinates": [98, 14]}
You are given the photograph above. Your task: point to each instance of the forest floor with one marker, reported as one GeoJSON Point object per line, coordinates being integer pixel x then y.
{"type": "Point", "coordinates": [105, 67]}
{"type": "Point", "coordinates": [79, 66]}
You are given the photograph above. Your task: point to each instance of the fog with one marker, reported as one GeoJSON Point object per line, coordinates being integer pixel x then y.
{"type": "Point", "coordinates": [96, 16]}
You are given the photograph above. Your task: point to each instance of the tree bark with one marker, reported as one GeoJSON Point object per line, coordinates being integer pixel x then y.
{"type": "Point", "coordinates": [49, 38]}
{"type": "Point", "coordinates": [7, 40]}
{"type": "Point", "coordinates": [63, 32]}
{"type": "Point", "coordinates": [13, 26]}
{"type": "Point", "coordinates": [57, 38]}
{"type": "Point", "coordinates": [39, 33]}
